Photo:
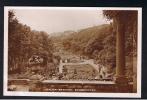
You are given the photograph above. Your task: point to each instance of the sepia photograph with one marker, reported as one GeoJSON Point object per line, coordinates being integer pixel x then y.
{"type": "Point", "coordinates": [72, 51]}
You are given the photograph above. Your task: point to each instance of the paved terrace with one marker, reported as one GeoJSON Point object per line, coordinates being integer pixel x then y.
{"type": "Point", "coordinates": [90, 62]}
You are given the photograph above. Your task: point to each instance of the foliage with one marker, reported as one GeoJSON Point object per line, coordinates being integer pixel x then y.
{"type": "Point", "coordinates": [96, 42]}
{"type": "Point", "coordinates": [129, 18]}
{"type": "Point", "coordinates": [24, 42]}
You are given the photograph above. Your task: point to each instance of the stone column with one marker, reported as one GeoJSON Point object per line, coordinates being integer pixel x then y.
{"type": "Point", "coordinates": [120, 51]}
{"type": "Point", "coordinates": [60, 66]}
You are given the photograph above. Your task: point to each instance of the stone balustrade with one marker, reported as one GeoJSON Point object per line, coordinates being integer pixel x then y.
{"type": "Point", "coordinates": [75, 86]}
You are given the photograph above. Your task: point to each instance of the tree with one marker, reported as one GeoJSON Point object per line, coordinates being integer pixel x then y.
{"type": "Point", "coordinates": [24, 42]}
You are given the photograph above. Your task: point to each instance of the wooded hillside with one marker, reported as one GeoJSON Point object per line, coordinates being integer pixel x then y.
{"type": "Point", "coordinates": [24, 42]}
{"type": "Point", "coordinates": [98, 43]}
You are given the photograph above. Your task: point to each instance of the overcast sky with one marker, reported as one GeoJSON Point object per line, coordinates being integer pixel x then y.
{"type": "Point", "coordinates": [59, 20]}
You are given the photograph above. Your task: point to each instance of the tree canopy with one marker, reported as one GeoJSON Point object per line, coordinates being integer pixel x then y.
{"type": "Point", "coordinates": [24, 42]}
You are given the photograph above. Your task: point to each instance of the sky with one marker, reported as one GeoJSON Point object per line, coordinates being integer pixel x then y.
{"type": "Point", "coordinates": [59, 20]}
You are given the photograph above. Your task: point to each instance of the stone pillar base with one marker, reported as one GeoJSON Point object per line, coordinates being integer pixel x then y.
{"type": "Point", "coordinates": [121, 80]}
